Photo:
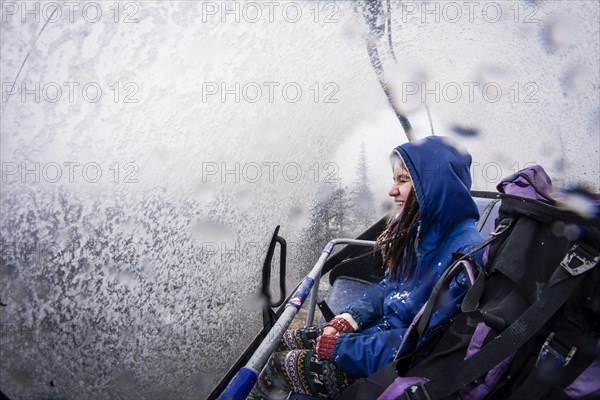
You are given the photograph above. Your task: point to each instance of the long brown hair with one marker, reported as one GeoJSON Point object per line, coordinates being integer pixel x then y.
{"type": "Point", "coordinates": [397, 241]}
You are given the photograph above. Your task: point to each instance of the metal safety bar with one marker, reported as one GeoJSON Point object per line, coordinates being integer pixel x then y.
{"type": "Point", "coordinates": [241, 384]}
{"type": "Point", "coordinates": [313, 298]}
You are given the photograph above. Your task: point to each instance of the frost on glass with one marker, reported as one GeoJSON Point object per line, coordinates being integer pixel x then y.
{"type": "Point", "coordinates": [133, 228]}
{"type": "Point", "coordinates": [515, 81]}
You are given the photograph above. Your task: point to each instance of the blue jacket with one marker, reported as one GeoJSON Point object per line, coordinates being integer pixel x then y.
{"type": "Point", "coordinates": [447, 217]}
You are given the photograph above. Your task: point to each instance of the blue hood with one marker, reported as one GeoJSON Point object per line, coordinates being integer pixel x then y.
{"type": "Point", "coordinates": [443, 193]}
{"type": "Point", "coordinates": [447, 225]}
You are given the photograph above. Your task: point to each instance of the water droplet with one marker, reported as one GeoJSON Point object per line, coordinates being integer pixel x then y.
{"type": "Point", "coordinates": [210, 231]}
{"type": "Point", "coordinates": [548, 148]}
{"type": "Point", "coordinates": [572, 80]}
{"type": "Point", "coordinates": [253, 302]}
{"type": "Point", "coordinates": [296, 213]}
{"type": "Point", "coordinates": [465, 131]}
{"type": "Point", "coordinates": [126, 380]}
{"type": "Point", "coordinates": [21, 377]}
{"type": "Point", "coordinates": [200, 381]}
{"type": "Point", "coordinates": [243, 195]}
{"type": "Point", "coordinates": [204, 192]}
{"type": "Point", "coordinates": [354, 30]}
{"type": "Point", "coordinates": [559, 165]}
{"type": "Point", "coordinates": [493, 74]}
{"type": "Point", "coordinates": [456, 144]}
{"type": "Point", "coordinates": [558, 228]}
{"type": "Point", "coordinates": [572, 232]}
{"type": "Point", "coordinates": [127, 277]}
{"type": "Point", "coordinates": [569, 231]}
{"type": "Point", "coordinates": [580, 202]}
{"type": "Point", "coordinates": [405, 83]}
{"type": "Point", "coordinates": [558, 33]}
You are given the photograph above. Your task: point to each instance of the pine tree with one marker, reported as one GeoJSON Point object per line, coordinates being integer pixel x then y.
{"type": "Point", "coordinates": [328, 220]}
{"type": "Point", "coordinates": [363, 208]}
{"type": "Point", "coordinates": [338, 212]}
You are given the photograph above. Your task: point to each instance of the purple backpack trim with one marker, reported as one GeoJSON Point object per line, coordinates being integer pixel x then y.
{"type": "Point", "coordinates": [470, 269]}
{"type": "Point", "coordinates": [397, 388]}
{"type": "Point", "coordinates": [588, 382]}
{"type": "Point", "coordinates": [530, 183]}
{"type": "Point", "coordinates": [493, 376]}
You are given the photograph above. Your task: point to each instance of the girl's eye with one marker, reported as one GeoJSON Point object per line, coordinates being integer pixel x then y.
{"type": "Point", "coordinates": [400, 179]}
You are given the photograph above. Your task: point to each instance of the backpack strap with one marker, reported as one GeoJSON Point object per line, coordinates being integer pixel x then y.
{"type": "Point", "coordinates": [442, 284]}
{"type": "Point", "coordinates": [452, 272]}
{"type": "Point", "coordinates": [578, 260]}
{"type": "Point", "coordinates": [534, 389]}
{"type": "Point", "coordinates": [471, 301]}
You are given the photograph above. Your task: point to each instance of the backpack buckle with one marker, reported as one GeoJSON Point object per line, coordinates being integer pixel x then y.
{"type": "Point", "coordinates": [416, 392]}
{"type": "Point", "coordinates": [502, 226]}
{"type": "Point", "coordinates": [579, 260]}
{"type": "Point", "coordinates": [550, 361]}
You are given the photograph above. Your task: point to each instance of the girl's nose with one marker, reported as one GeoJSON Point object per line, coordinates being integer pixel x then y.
{"type": "Point", "coordinates": [394, 191]}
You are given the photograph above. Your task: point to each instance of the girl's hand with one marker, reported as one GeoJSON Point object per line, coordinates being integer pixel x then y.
{"type": "Point", "coordinates": [330, 330]}
{"type": "Point", "coordinates": [337, 326]}
{"type": "Point", "coordinates": [325, 346]}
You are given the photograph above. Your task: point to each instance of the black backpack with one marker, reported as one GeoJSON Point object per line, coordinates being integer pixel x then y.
{"type": "Point", "coordinates": [530, 322]}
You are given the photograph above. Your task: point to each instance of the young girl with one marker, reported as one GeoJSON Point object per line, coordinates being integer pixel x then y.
{"type": "Point", "coordinates": [435, 217]}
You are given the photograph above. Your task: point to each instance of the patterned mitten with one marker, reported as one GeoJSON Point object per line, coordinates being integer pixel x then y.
{"type": "Point", "coordinates": [341, 325]}
{"type": "Point", "coordinates": [325, 345]}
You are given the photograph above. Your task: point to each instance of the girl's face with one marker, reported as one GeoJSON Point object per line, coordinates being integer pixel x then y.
{"type": "Point", "coordinates": [401, 187]}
